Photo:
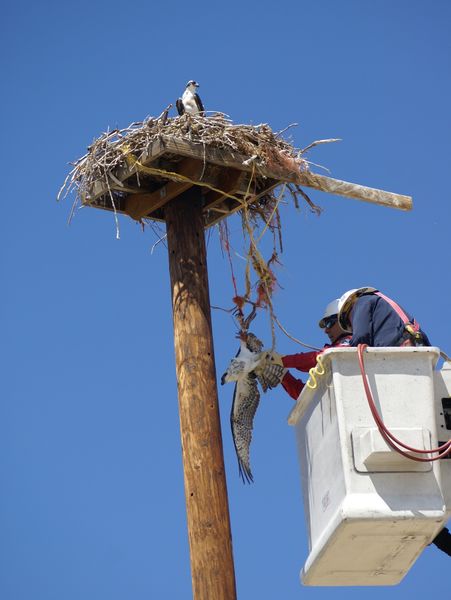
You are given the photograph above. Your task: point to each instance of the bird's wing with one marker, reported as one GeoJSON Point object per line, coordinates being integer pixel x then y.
{"type": "Point", "coordinates": [180, 107]}
{"type": "Point", "coordinates": [245, 403]}
{"type": "Point", "coordinates": [199, 104]}
{"type": "Point", "coordinates": [270, 375]}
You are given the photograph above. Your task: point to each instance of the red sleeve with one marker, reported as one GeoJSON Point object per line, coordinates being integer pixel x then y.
{"type": "Point", "coordinates": [303, 361]}
{"type": "Point", "coordinates": [292, 386]}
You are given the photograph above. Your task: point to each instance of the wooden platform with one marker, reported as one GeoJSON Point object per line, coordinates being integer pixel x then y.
{"type": "Point", "coordinates": [173, 164]}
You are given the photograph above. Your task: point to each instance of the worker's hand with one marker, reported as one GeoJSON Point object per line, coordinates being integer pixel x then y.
{"type": "Point", "coordinates": [270, 370]}
{"type": "Point", "coordinates": [272, 357]}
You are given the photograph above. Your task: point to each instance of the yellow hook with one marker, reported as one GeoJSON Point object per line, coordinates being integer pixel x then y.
{"type": "Point", "coordinates": [315, 371]}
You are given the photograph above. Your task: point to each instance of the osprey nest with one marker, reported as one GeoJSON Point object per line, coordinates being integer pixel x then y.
{"type": "Point", "coordinates": [123, 166]}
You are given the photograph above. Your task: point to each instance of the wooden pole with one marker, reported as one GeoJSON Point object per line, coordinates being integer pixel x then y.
{"type": "Point", "coordinates": [207, 508]}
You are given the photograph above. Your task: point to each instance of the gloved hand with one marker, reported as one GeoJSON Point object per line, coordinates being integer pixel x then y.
{"type": "Point", "coordinates": [272, 357]}
{"type": "Point", "coordinates": [270, 370]}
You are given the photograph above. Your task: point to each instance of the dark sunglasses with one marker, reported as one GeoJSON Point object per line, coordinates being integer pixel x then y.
{"type": "Point", "coordinates": [330, 321]}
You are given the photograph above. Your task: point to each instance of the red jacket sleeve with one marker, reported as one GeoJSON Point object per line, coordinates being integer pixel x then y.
{"type": "Point", "coordinates": [304, 361]}
{"type": "Point", "coordinates": [292, 386]}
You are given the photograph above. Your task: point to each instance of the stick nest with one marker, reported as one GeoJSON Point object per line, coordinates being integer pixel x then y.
{"type": "Point", "coordinates": [106, 154]}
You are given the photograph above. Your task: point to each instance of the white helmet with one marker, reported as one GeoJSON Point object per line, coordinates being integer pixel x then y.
{"type": "Point", "coordinates": [346, 302]}
{"type": "Point", "coordinates": [331, 309]}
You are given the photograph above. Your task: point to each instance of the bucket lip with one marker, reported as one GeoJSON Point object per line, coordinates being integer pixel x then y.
{"type": "Point", "coordinates": [382, 350]}
{"type": "Point", "coordinates": [306, 396]}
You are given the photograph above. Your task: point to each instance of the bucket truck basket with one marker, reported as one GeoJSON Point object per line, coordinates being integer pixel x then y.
{"type": "Point", "coordinates": [369, 510]}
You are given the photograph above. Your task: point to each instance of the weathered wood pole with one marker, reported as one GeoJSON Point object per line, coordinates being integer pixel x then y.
{"type": "Point", "coordinates": [210, 539]}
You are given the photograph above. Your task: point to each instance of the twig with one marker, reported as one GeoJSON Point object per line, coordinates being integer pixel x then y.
{"type": "Point", "coordinates": [227, 310]}
{"type": "Point", "coordinates": [161, 239]}
{"type": "Point", "coordinates": [316, 209]}
{"type": "Point", "coordinates": [318, 142]}
{"type": "Point", "coordinates": [286, 129]}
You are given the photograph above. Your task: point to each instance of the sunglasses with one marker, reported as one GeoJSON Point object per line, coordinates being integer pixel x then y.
{"type": "Point", "coordinates": [330, 321]}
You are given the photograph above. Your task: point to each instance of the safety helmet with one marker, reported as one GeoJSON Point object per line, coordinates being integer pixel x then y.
{"type": "Point", "coordinates": [346, 302]}
{"type": "Point", "coordinates": [331, 309]}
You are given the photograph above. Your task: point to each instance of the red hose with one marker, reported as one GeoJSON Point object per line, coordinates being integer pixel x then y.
{"type": "Point", "coordinates": [391, 440]}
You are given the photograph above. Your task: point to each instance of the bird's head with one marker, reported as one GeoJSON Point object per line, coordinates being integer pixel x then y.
{"type": "Point", "coordinates": [192, 85]}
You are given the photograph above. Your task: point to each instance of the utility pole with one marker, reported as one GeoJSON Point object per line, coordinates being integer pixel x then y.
{"type": "Point", "coordinates": [207, 508]}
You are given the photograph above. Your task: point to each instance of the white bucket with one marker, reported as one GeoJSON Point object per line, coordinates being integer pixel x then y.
{"type": "Point", "coordinates": [370, 512]}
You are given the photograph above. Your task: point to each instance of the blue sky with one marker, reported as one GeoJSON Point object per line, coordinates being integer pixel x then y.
{"type": "Point", "coordinates": [92, 502]}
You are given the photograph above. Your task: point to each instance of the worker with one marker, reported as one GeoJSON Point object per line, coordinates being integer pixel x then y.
{"type": "Point", "coordinates": [304, 361]}
{"type": "Point", "coordinates": [360, 316]}
{"type": "Point", "coordinates": [376, 320]}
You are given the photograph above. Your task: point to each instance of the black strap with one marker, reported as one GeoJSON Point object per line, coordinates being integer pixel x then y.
{"type": "Point", "coordinates": [443, 541]}
{"type": "Point", "coordinates": [417, 339]}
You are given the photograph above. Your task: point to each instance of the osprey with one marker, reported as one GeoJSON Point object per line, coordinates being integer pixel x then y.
{"type": "Point", "coordinates": [190, 101]}
{"type": "Point", "coordinates": [249, 366]}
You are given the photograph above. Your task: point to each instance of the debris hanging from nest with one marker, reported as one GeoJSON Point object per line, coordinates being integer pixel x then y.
{"type": "Point", "coordinates": [119, 169]}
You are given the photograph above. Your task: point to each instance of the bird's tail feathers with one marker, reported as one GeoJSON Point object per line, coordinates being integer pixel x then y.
{"type": "Point", "coordinates": [245, 472]}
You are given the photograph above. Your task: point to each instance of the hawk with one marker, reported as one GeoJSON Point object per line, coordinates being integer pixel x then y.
{"type": "Point", "coordinates": [249, 367]}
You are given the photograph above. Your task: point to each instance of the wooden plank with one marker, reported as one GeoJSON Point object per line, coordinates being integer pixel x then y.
{"type": "Point", "coordinates": [226, 208]}
{"type": "Point", "coordinates": [290, 173]}
{"type": "Point", "coordinates": [216, 156]}
{"type": "Point", "coordinates": [356, 191]}
{"type": "Point", "coordinates": [104, 203]}
{"type": "Point", "coordinates": [230, 181]}
{"type": "Point", "coordinates": [208, 519]}
{"type": "Point", "coordinates": [139, 206]}
{"type": "Point", "coordinates": [220, 209]}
